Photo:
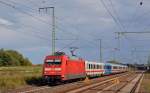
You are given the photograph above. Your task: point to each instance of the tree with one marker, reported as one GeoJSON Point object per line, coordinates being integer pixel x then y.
{"type": "Point", "coordinates": [13, 58]}
{"type": "Point", "coordinates": [5, 58]}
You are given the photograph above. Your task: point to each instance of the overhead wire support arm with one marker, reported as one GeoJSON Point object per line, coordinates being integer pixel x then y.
{"type": "Point", "coordinates": [122, 33]}
{"type": "Point", "coordinates": [132, 32]}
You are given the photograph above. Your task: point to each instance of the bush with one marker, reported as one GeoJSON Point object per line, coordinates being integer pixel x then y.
{"type": "Point", "coordinates": [13, 58]}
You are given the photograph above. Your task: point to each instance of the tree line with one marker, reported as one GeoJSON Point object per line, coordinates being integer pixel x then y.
{"type": "Point", "coordinates": [13, 58]}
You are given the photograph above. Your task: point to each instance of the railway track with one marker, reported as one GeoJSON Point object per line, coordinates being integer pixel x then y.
{"type": "Point", "coordinates": [63, 88]}
{"type": "Point", "coordinates": [122, 84]}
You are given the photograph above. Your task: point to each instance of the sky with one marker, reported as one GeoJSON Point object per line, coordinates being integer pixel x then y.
{"type": "Point", "coordinates": [79, 23]}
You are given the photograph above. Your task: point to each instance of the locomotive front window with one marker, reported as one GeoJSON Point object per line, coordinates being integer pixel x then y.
{"type": "Point", "coordinates": [53, 62]}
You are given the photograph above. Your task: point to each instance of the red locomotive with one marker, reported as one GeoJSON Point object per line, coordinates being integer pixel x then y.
{"type": "Point", "coordinates": [60, 67]}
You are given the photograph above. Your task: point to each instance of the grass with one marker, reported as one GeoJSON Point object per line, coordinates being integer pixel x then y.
{"type": "Point", "coordinates": [15, 77]}
{"type": "Point", "coordinates": [145, 86]}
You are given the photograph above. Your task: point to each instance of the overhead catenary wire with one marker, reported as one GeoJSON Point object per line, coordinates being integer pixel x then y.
{"type": "Point", "coordinates": [116, 19]}
{"type": "Point", "coordinates": [12, 6]}
{"type": "Point", "coordinates": [36, 30]}
{"type": "Point", "coordinates": [26, 13]}
{"type": "Point", "coordinates": [47, 23]}
{"type": "Point", "coordinates": [112, 16]}
{"type": "Point", "coordinates": [57, 27]}
{"type": "Point", "coordinates": [77, 35]}
{"type": "Point", "coordinates": [36, 34]}
{"type": "Point", "coordinates": [90, 41]}
{"type": "Point", "coordinates": [117, 16]}
{"type": "Point", "coordinates": [59, 21]}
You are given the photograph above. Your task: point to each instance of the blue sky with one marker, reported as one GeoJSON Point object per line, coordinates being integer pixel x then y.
{"type": "Point", "coordinates": [24, 29]}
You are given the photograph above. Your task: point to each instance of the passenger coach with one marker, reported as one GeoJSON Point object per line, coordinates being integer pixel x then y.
{"type": "Point", "coordinates": [93, 69]}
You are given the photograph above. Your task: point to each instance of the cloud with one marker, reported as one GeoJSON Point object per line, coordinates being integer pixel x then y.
{"type": "Point", "coordinates": [5, 22]}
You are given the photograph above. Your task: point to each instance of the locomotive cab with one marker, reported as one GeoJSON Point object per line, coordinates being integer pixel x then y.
{"type": "Point", "coordinates": [52, 68]}
{"type": "Point", "coordinates": [60, 67]}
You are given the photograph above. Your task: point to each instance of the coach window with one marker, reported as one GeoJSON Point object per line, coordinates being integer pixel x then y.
{"type": "Point", "coordinates": [120, 67]}
{"type": "Point", "coordinates": [117, 67]}
{"type": "Point", "coordinates": [93, 66]}
{"type": "Point", "coordinates": [114, 67]}
{"type": "Point", "coordinates": [109, 67]}
{"type": "Point", "coordinates": [90, 66]}
{"type": "Point", "coordinates": [99, 67]}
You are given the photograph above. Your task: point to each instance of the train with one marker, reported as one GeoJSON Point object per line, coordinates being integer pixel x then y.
{"type": "Point", "coordinates": [61, 67]}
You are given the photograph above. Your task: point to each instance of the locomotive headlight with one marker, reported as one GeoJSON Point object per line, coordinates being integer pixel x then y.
{"type": "Point", "coordinates": [57, 60]}
{"type": "Point", "coordinates": [49, 60]}
{"type": "Point", "coordinates": [58, 69]}
{"type": "Point", "coordinates": [47, 69]}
